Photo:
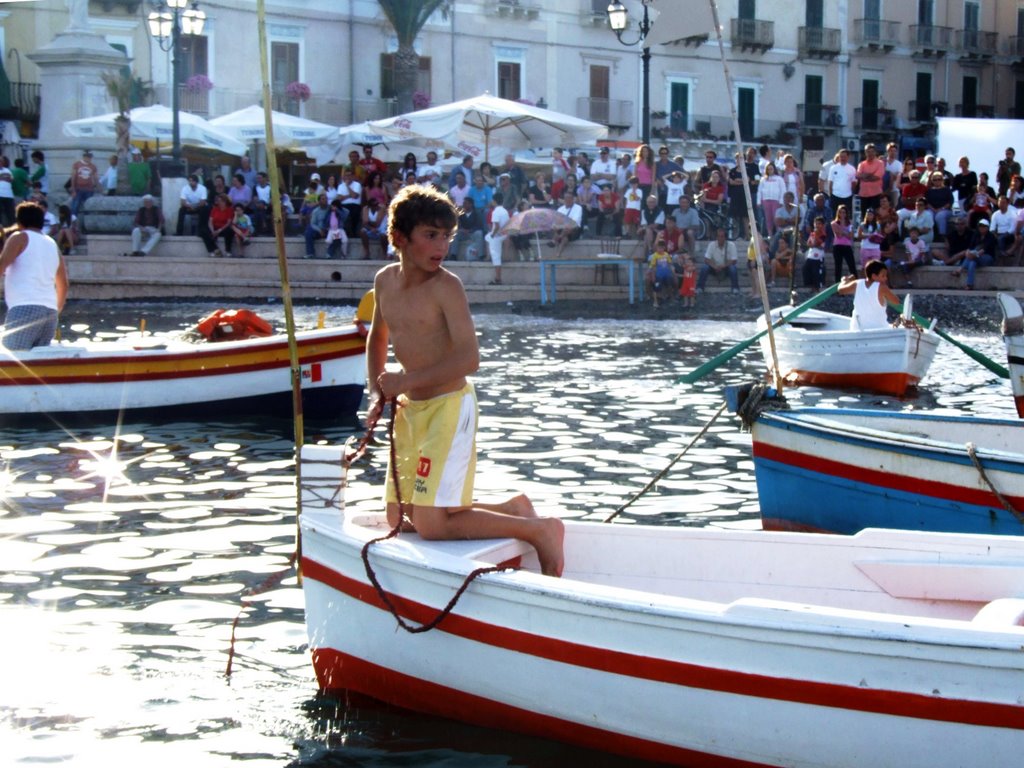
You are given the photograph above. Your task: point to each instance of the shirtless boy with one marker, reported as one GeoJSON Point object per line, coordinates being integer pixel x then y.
{"type": "Point", "coordinates": [422, 312]}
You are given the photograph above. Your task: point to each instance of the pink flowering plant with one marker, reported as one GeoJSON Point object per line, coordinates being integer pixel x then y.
{"type": "Point", "coordinates": [298, 91]}
{"type": "Point", "coordinates": [420, 100]}
{"type": "Point", "coordinates": [199, 83]}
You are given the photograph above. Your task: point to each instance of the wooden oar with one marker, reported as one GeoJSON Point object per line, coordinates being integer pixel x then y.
{"type": "Point", "coordinates": [971, 352]}
{"type": "Point", "coordinates": [703, 370]}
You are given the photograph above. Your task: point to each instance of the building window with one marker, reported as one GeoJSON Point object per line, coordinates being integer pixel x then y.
{"type": "Point", "coordinates": [970, 98]}
{"type": "Point", "coordinates": [925, 12]}
{"type": "Point", "coordinates": [815, 14]}
{"type": "Point", "coordinates": [194, 56]}
{"type": "Point", "coordinates": [509, 80]}
{"type": "Point", "coordinates": [747, 10]}
{"type": "Point", "coordinates": [387, 76]}
{"type": "Point", "coordinates": [600, 91]}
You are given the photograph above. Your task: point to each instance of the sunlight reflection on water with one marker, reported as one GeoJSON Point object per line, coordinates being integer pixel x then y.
{"type": "Point", "coordinates": [126, 552]}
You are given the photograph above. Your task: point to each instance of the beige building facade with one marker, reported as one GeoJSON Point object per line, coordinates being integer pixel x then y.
{"type": "Point", "coordinates": [816, 74]}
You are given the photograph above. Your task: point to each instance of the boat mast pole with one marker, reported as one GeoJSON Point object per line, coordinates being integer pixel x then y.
{"type": "Point", "coordinates": [756, 235]}
{"type": "Point", "coordinates": [282, 264]}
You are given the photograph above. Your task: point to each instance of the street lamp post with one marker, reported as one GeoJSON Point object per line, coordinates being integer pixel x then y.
{"type": "Point", "coordinates": [618, 19]}
{"type": "Point", "coordinates": [168, 21]}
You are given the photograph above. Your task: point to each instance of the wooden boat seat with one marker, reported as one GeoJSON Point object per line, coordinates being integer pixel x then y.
{"type": "Point", "coordinates": [964, 580]}
{"type": "Point", "coordinates": [1004, 612]}
{"type": "Point", "coordinates": [493, 551]}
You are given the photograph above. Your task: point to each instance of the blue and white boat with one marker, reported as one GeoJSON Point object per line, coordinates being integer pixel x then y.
{"type": "Point", "coordinates": [840, 471]}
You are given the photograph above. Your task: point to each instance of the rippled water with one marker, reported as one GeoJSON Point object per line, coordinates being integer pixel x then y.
{"type": "Point", "coordinates": [125, 549]}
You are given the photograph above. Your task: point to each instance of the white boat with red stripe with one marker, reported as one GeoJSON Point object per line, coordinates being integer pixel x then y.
{"type": "Point", "coordinates": [696, 647]}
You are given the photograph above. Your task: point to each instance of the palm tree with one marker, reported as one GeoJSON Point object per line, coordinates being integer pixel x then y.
{"type": "Point", "coordinates": [127, 92]}
{"type": "Point", "coordinates": [408, 17]}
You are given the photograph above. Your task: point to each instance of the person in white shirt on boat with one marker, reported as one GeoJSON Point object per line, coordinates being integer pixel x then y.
{"type": "Point", "coordinates": [871, 294]}
{"type": "Point", "coordinates": [35, 281]}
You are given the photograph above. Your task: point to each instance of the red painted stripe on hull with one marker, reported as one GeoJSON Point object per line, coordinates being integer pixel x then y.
{"type": "Point", "coordinates": [880, 479]}
{"type": "Point", "coordinates": [894, 703]}
{"type": "Point", "coordinates": [895, 384]}
{"type": "Point", "coordinates": [338, 671]}
{"type": "Point", "coordinates": [1019, 402]}
{"type": "Point", "coordinates": [215, 368]}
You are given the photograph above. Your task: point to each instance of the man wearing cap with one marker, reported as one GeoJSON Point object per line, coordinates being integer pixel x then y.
{"type": "Point", "coordinates": [982, 253]}
{"type": "Point", "coordinates": [603, 169]}
{"type": "Point", "coordinates": [1004, 225]}
{"type": "Point", "coordinates": [314, 180]}
{"type": "Point", "coordinates": [139, 175]}
{"type": "Point", "coordinates": [149, 221]}
{"type": "Point", "coordinates": [910, 193]}
{"type": "Point", "coordinates": [84, 178]}
{"type": "Point", "coordinates": [516, 177]}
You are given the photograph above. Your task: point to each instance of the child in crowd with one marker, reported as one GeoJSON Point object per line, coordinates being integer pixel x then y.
{"type": "Point", "coordinates": [337, 238]}
{"type": "Point", "coordinates": [67, 230]}
{"type": "Point", "coordinates": [917, 255]}
{"type": "Point", "coordinates": [422, 314]}
{"type": "Point", "coordinates": [814, 262]}
{"type": "Point", "coordinates": [782, 264]}
{"type": "Point", "coordinates": [660, 275]}
{"type": "Point", "coordinates": [688, 282]}
{"type": "Point", "coordinates": [633, 199]}
{"type": "Point", "coordinates": [869, 233]}
{"type": "Point", "coordinates": [241, 225]}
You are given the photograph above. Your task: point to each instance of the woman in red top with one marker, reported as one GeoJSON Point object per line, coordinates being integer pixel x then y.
{"type": "Point", "coordinates": [221, 217]}
{"type": "Point", "coordinates": [712, 194]}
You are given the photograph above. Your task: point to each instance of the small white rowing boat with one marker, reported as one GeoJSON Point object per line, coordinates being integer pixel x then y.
{"type": "Point", "coordinates": [687, 646]}
{"type": "Point", "coordinates": [818, 348]}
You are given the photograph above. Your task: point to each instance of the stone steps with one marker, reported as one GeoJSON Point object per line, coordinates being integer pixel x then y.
{"type": "Point", "coordinates": [180, 268]}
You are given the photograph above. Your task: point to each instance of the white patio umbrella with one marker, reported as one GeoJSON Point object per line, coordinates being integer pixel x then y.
{"type": "Point", "coordinates": [155, 122]}
{"type": "Point", "coordinates": [391, 145]}
{"type": "Point", "coordinates": [494, 122]}
{"type": "Point", "coordinates": [318, 140]}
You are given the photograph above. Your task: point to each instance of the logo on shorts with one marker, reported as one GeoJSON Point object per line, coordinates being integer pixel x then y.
{"type": "Point", "coordinates": [423, 468]}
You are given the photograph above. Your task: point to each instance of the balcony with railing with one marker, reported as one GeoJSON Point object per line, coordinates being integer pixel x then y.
{"type": "Point", "coordinates": [753, 34]}
{"type": "Point", "coordinates": [920, 111]}
{"type": "Point", "coordinates": [615, 113]}
{"type": "Point", "coordinates": [824, 116]}
{"type": "Point", "coordinates": [929, 40]}
{"type": "Point", "coordinates": [1014, 48]}
{"type": "Point", "coordinates": [516, 9]}
{"type": "Point", "coordinates": [819, 42]}
{"type": "Point", "coordinates": [719, 130]}
{"type": "Point", "coordinates": [876, 34]}
{"type": "Point", "coordinates": [19, 101]}
{"type": "Point", "coordinates": [976, 44]}
{"type": "Point", "coordinates": [874, 119]}
{"type": "Point", "coordinates": [974, 110]}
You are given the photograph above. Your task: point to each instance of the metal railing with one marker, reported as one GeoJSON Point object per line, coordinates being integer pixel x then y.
{"type": "Point", "coordinates": [819, 41]}
{"type": "Point", "coordinates": [819, 116]}
{"type": "Point", "coordinates": [24, 101]}
{"type": "Point", "coordinates": [885, 34]}
{"type": "Point", "coordinates": [974, 110]}
{"type": "Point", "coordinates": [975, 42]}
{"type": "Point", "coordinates": [928, 37]}
{"type": "Point", "coordinates": [926, 111]}
{"type": "Point", "coordinates": [719, 128]}
{"type": "Point", "coordinates": [617, 112]}
{"type": "Point", "coordinates": [874, 119]}
{"type": "Point", "coordinates": [753, 33]}
{"type": "Point", "coordinates": [1014, 46]}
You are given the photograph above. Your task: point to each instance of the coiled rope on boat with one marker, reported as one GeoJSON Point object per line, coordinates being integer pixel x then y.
{"type": "Point", "coordinates": [365, 552]}
{"type": "Point", "coordinates": [972, 452]}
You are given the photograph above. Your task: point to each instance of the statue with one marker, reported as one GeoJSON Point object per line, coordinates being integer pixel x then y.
{"type": "Point", "coordinates": [78, 11]}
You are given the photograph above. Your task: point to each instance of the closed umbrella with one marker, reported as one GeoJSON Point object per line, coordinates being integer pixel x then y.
{"type": "Point", "coordinates": [155, 122]}
{"type": "Point", "coordinates": [533, 221]}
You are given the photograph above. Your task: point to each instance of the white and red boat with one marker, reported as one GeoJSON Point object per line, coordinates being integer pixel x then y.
{"type": "Point", "coordinates": [818, 348]}
{"type": "Point", "coordinates": [160, 376]}
{"type": "Point", "coordinates": [683, 645]}
{"type": "Point", "coordinates": [1013, 335]}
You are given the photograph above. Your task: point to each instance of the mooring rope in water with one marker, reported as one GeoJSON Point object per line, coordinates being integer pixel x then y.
{"type": "Point", "coordinates": [664, 471]}
{"type": "Point", "coordinates": [365, 553]}
{"type": "Point", "coordinates": [972, 451]}
{"type": "Point", "coordinates": [272, 581]}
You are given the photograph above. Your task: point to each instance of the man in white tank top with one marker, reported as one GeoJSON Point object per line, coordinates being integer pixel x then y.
{"type": "Point", "coordinates": [35, 282]}
{"type": "Point", "coordinates": [870, 296]}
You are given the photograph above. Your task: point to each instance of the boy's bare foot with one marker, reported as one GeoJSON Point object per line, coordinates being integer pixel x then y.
{"type": "Point", "coordinates": [549, 545]}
